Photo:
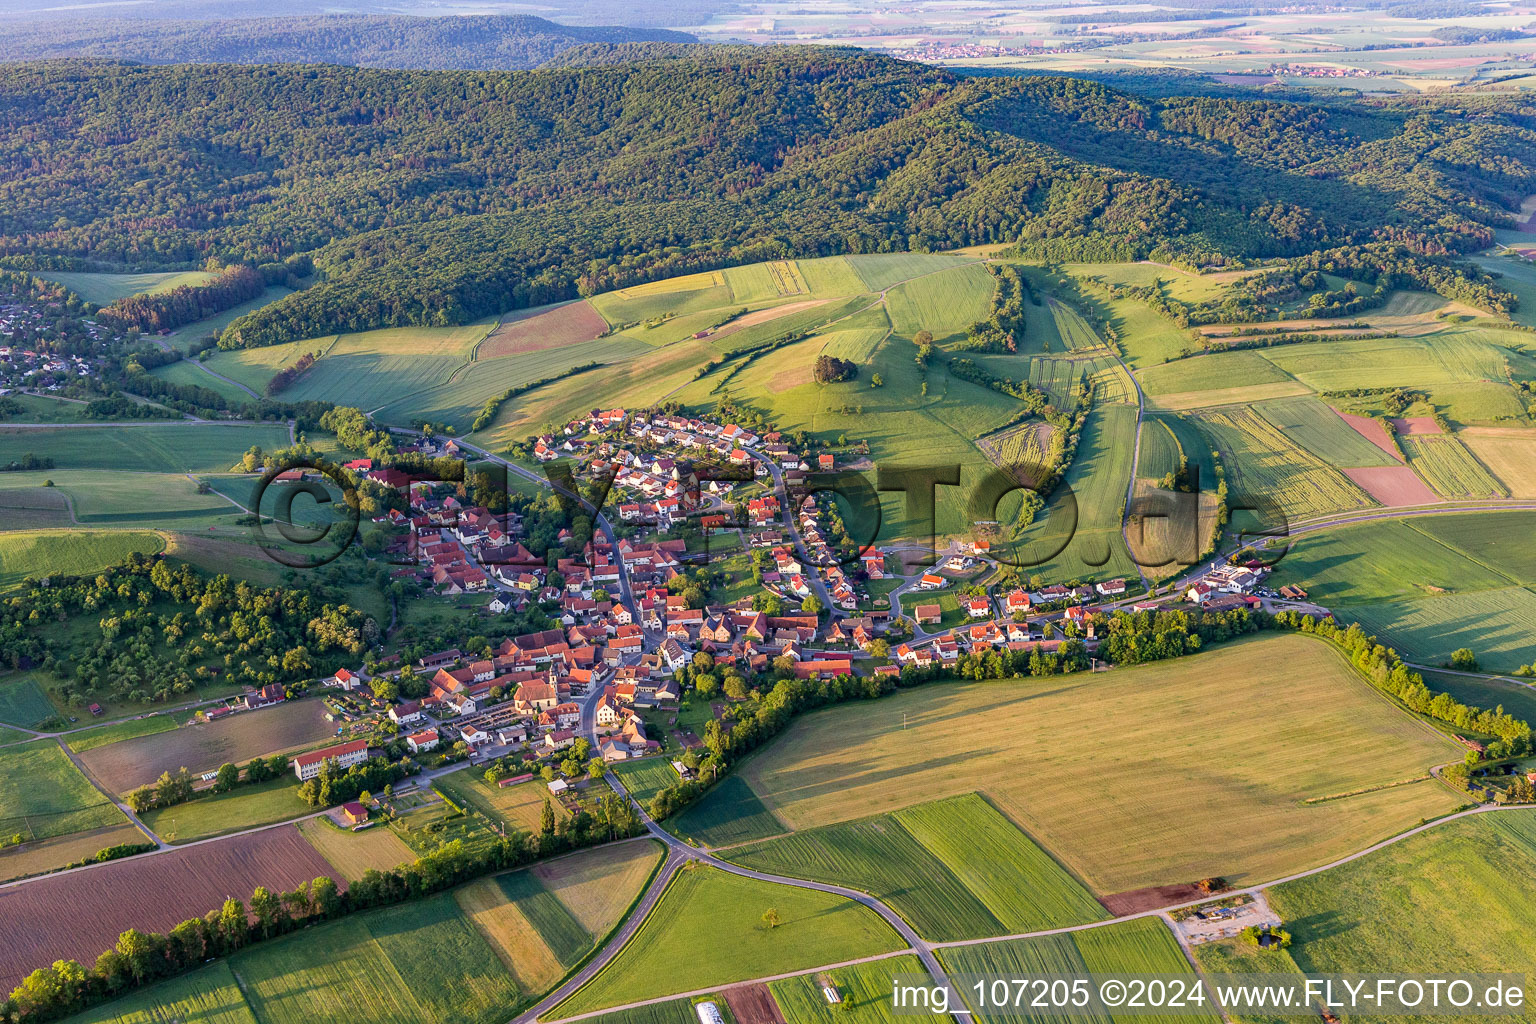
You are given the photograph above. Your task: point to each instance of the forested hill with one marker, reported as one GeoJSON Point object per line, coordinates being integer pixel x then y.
{"type": "Point", "coordinates": [504, 42]}
{"type": "Point", "coordinates": [433, 197]}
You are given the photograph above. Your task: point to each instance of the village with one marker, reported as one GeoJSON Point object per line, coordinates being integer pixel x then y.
{"type": "Point", "coordinates": [603, 678]}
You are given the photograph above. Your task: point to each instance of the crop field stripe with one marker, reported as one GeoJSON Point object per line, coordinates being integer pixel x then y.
{"type": "Point", "coordinates": [879, 856]}
{"type": "Point", "coordinates": [1009, 873]}
{"type": "Point", "coordinates": [1449, 467]}
{"type": "Point", "coordinates": [558, 927]}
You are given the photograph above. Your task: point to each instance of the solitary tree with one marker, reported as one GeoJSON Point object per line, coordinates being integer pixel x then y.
{"type": "Point", "coordinates": [771, 917]}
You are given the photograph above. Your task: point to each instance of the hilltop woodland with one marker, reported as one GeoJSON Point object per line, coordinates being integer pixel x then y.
{"type": "Point", "coordinates": [437, 197]}
{"type": "Point", "coordinates": [490, 41]}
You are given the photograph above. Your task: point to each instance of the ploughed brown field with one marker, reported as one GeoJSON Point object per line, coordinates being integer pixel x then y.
{"type": "Point", "coordinates": [753, 1004]}
{"type": "Point", "coordinates": [1416, 425]}
{"type": "Point", "coordinates": [1372, 431]}
{"type": "Point", "coordinates": [1393, 486]}
{"type": "Point", "coordinates": [569, 324]}
{"type": "Point", "coordinates": [79, 914]}
{"type": "Point", "coordinates": [237, 738]}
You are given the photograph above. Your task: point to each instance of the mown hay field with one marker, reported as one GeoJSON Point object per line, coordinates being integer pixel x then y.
{"type": "Point", "coordinates": [708, 931]}
{"type": "Point", "coordinates": [954, 868]}
{"type": "Point", "coordinates": [354, 853]}
{"type": "Point", "coordinates": [1161, 815]}
{"type": "Point", "coordinates": [1508, 453]}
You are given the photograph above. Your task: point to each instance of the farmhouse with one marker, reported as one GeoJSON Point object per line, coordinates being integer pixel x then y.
{"type": "Point", "coordinates": [307, 766]}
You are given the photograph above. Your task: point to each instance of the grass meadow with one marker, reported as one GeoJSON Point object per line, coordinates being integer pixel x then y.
{"type": "Point", "coordinates": [1160, 813]}
{"type": "Point", "coordinates": [954, 868]}
{"type": "Point", "coordinates": [353, 853]}
{"type": "Point", "coordinates": [1498, 625]}
{"type": "Point", "coordinates": [23, 701]}
{"type": "Point", "coordinates": [43, 795]}
{"type": "Point", "coordinates": [243, 807]}
{"type": "Point", "coordinates": [645, 777]}
{"type": "Point", "coordinates": [189, 371]}
{"type": "Point", "coordinates": [518, 807]}
{"type": "Point", "coordinates": [1440, 901]}
{"type": "Point", "coordinates": [105, 289]}
{"type": "Point", "coordinates": [90, 739]}
{"type": "Point", "coordinates": [708, 930]}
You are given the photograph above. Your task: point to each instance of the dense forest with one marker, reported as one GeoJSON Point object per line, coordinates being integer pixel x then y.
{"type": "Point", "coordinates": [438, 197]}
{"type": "Point", "coordinates": [499, 41]}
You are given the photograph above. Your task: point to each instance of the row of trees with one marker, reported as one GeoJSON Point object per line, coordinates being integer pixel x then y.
{"type": "Point", "coordinates": [184, 304]}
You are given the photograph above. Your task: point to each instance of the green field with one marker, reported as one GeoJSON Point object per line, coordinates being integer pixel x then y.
{"type": "Point", "coordinates": [420, 962]}
{"type": "Point", "coordinates": [1320, 430]}
{"type": "Point", "coordinates": [1518, 698]}
{"type": "Point", "coordinates": [43, 795]}
{"type": "Point", "coordinates": [1215, 371]}
{"type": "Point", "coordinates": [1160, 449]}
{"type": "Point", "coordinates": [1098, 476]}
{"type": "Point", "coordinates": [1262, 463]}
{"type": "Point", "coordinates": [104, 289]}
{"type": "Point", "coordinates": [1233, 956]}
{"type": "Point", "coordinates": [90, 739]}
{"type": "Point", "coordinates": [23, 700]}
{"type": "Point", "coordinates": [955, 869]}
{"type": "Point", "coordinates": [645, 777]}
{"type": "Point", "coordinates": [144, 500]}
{"type": "Point", "coordinates": [944, 304]}
{"type": "Point", "coordinates": [880, 271]}
{"type": "Point", "coordinates": [1390, 560]}
{"type": "Point", "coordinates": [209, 995]}
{"type": "Point", "coordinates": [1140, 947]}
{"type": "Point", "coordinates": [243, 807]}
{"type": "Point", "coordinates": [188, 371]}
{"type": "Point", "coordinates": [1498, 625]}
{"type": "Point", "coordinates": [42, 553]}
{"type": "Point", "coordinates": [1440, 901]}
{"type": "Point", "coordinates": [732, 814]}
{"type": "Point", "coordinates": [518, 807]}
{"type": "Point", "coordinates": [865, 990]}
{"type": "Point", "coordinates": [458, 400]}
{"type": "Point", "coordinates": [147, 448]}
{"type": "Point", "coordinates": [708, 931]}
{"type": "Point", "coordinates": [1453, 356]}
{"type": "Point", "coordinates": [1450, 469]}
{"type": "Point", "coordinates": [367, 370]}
{"type": "Point", "coordinates": [1133, 801]}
